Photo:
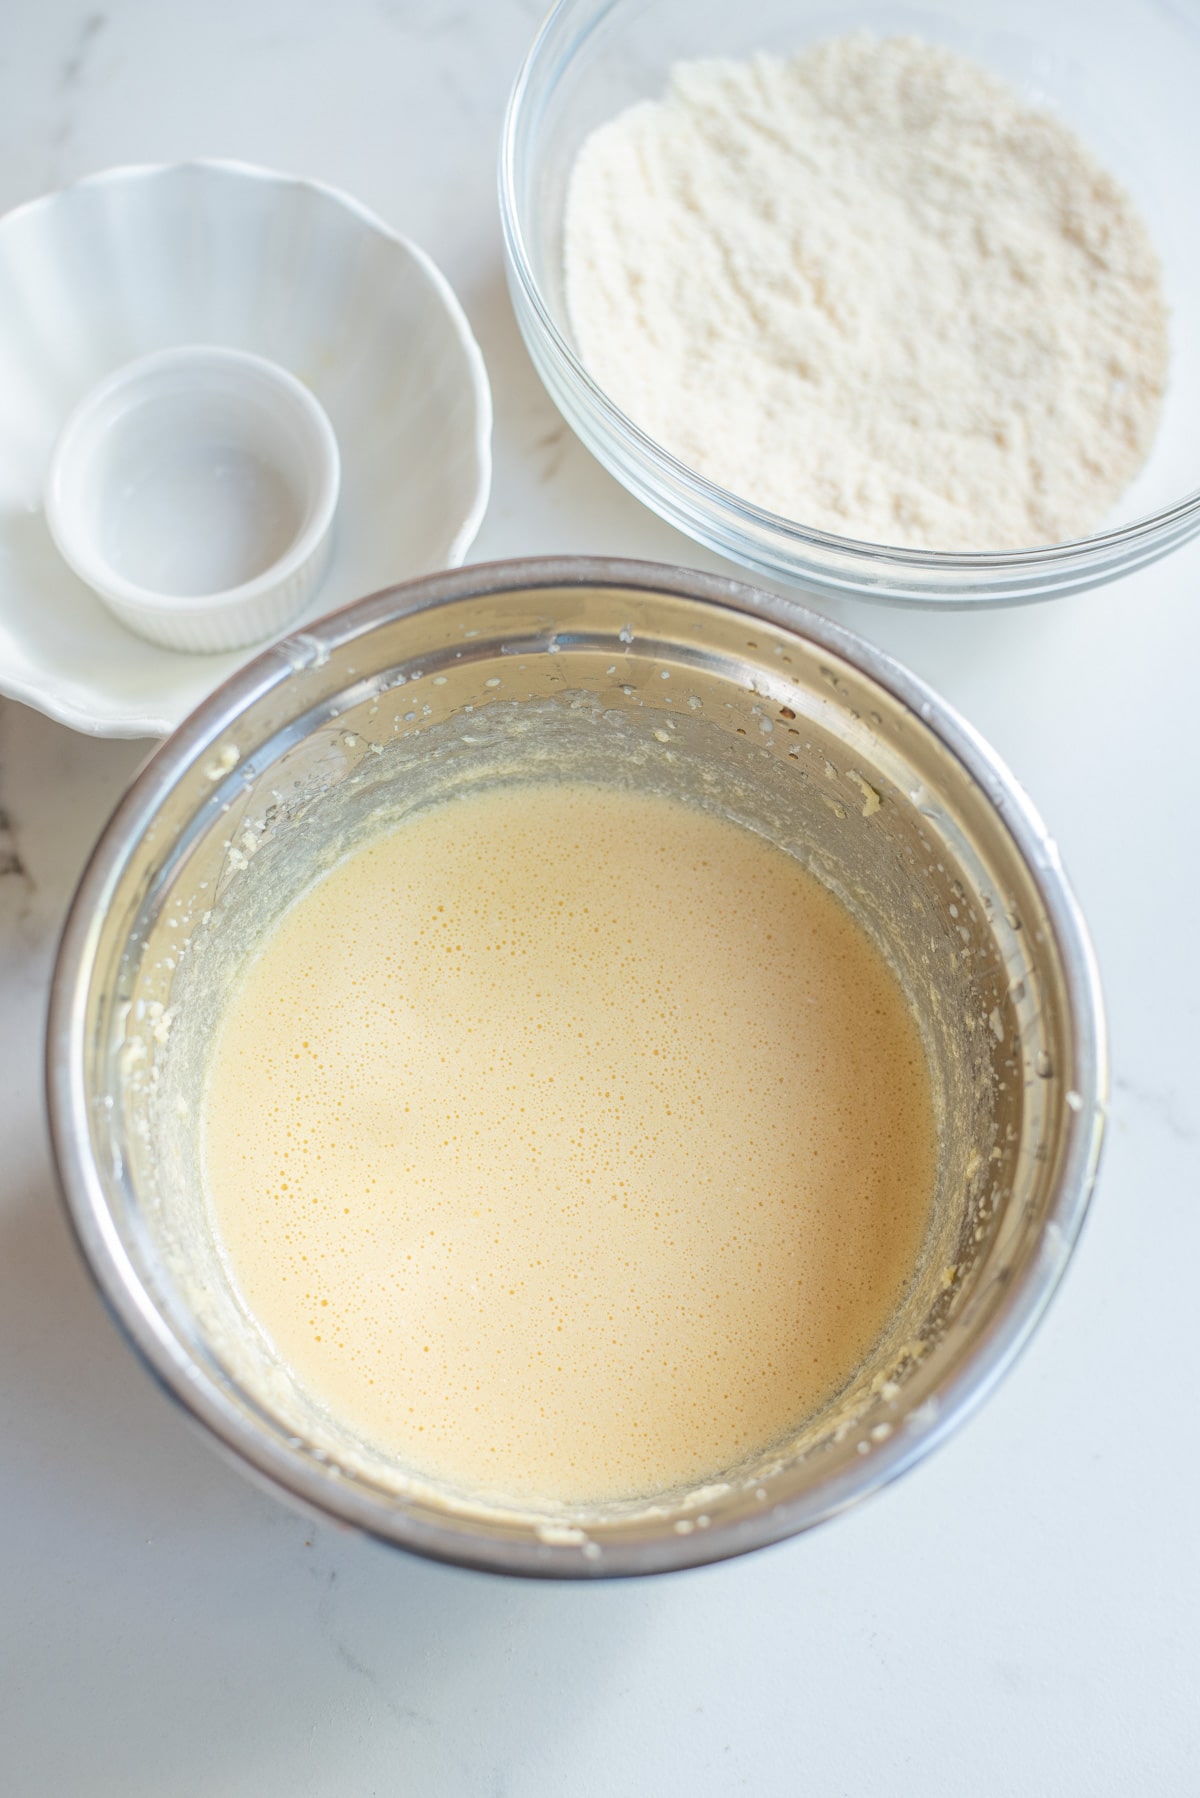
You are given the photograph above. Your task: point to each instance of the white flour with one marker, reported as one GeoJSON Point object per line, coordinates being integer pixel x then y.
{"type": "Point", "coordinates": [869, 289]}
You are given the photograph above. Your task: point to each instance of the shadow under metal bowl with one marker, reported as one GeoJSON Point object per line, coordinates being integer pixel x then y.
{"type": "Point", "coordinates": [607, 671]}
{"type": "Point", "coordinates": [1122, 73]}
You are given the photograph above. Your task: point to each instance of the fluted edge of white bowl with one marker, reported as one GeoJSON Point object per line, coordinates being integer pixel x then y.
{"type": "Point", "coordinates": [159, 724]}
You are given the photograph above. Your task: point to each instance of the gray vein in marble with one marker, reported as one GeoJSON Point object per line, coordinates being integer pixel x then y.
{"type": "Point", "coordinates": [403, 1713]}
{"type": "Point", "coordinates": [1162, 1104]}
{"type": "Point", "coordinates": [427, 24]}
{"type": "Point", "coordinates": [11, 865]}
{"type": "Point", "coordinates": [72, 73]}
{"type": "Point", "coordinates": [552, 447]}
{"type": "Point", "coordinates": [74, 64]}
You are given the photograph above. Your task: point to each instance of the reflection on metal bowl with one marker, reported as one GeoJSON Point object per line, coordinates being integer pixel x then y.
{"type": "Point", "coordinates": [785, 722]}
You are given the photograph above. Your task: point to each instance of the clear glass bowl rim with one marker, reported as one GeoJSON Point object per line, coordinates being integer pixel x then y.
{"type": "Point", "coordinates": [1169, 523]}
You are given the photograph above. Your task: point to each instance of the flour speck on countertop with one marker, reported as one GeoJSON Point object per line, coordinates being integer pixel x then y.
{"type": "Point", "coordinates": [870, 289]}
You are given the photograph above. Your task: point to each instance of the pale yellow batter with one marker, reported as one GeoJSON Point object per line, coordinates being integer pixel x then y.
{"type": "Point", "coordinates": [570, 1143]}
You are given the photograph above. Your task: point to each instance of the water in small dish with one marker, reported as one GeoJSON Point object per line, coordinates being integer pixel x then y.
{"type": "Point", "coordinates": [569, 1143]}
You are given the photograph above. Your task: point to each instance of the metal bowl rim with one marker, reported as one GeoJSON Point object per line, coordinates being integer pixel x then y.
{"type": "Point", "coordinates": [290, 1472]}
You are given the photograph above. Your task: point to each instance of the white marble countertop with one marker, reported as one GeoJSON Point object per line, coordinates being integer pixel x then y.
{"type": "Point", "coordinates": [1019, 1616]}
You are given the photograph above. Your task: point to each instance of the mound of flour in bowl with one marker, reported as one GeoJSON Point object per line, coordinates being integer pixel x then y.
{"type": "Point", "coordinates": [870, 289]}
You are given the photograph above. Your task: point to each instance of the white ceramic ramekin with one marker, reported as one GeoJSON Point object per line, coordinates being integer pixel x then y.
{"type": "Point", "coordinates": [194, 490]}
{"type": "Point", "coordinates": [131, 261]}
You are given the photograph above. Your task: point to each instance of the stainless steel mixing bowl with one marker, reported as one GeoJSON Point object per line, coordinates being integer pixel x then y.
{"type": "Point", "coordinates": [608, 671]}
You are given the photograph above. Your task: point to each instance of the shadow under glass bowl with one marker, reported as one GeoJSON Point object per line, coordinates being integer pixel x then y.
{"type": "Point", "coordinates": [688, 685]}
{"type": "Point", "coordinates": [1123, 73]}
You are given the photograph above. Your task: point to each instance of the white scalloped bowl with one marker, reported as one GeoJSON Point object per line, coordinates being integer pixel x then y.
{"type": "Point", "coordinates": [143, 259]}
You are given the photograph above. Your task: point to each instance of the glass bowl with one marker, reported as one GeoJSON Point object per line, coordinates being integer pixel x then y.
{"type": "Point", "coordinates": [684, 684]}
{"type": "Point", "coordinates": [1122, 73]}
